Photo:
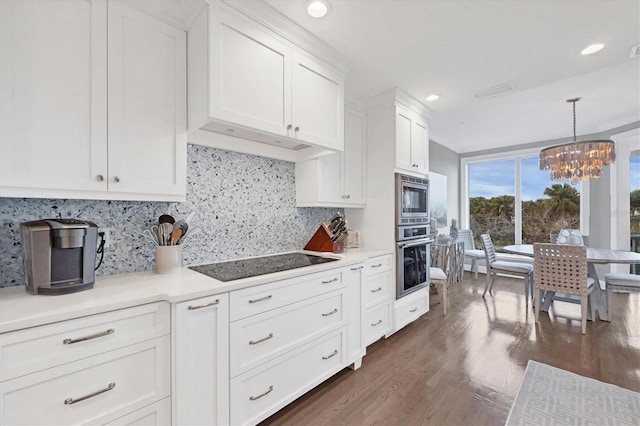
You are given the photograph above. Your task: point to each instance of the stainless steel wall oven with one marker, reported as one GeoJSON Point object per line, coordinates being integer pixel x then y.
{"type": "Point", "coordinates": [413, 257]}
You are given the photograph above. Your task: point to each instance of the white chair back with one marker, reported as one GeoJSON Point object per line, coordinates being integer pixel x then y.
{"type": "Point", "coordinates": [489, 250]}
{"type": "Point", "coordinates": [467, 237]}
{"type": "Point", "coordinates": [570, 237]}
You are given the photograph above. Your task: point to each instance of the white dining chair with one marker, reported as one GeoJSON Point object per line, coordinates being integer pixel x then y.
{"type": "Point", "coordinates": [495, 267]}
{"type": "Point", "coordinates": [470, 251]}
{"type": "Point", "coordinates": [572, 237]}
{"type": "Point", "coordinates": [440, 279]}
{"type": "Point", "coordinates": [620, 283]}
{"type": "Point", "coordinates": [562, 268]}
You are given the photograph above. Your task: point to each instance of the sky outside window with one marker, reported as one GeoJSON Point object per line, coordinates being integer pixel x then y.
{"type": "Point", "coordinates": [492, 179]}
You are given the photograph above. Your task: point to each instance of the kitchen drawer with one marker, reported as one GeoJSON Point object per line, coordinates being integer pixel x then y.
{"type": "Point", "coordinates": [260, 338]}
{"type": "Point", "coordinates": [35, 349]}
{"type": "Point", "coordinates": [377, 264]}
{"type": "Point", "coordinates": [376, 288]}
{"type": "Point", "coordinates": [410, 307]}
{"type": "Point", "coordinates": [255, 300]}
{"type": "Point", "coordinates": [261, 392]}
{"type": "Point", "coordinates": [376, 323]}
{"type": "Point", "coordinates": [138, 375]}
{"type": "Point", "coordinates": [156, 414]}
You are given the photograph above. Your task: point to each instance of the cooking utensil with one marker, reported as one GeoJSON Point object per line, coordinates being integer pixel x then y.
{"type": "Point", "coordinates": [175, 236]}
{"type": "Point", "coordinates": [165, 218]}
{"type": "Point", "coordinates": [165, 229]}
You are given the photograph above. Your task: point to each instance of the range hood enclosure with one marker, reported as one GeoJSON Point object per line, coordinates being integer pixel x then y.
{"type": "Point", "coordinates": [252, 90]}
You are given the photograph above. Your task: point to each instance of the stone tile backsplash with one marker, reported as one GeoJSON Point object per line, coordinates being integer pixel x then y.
{"type": "Point", "coordinates": [244, 205]}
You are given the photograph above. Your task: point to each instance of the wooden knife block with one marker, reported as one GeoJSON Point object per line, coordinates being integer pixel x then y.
{"type": "Point", "coordinates": [321, 240]}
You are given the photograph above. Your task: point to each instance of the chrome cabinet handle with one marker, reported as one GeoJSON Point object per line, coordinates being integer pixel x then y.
{"type": "Point", "coordinates": [253, 398]}
{"type": "Point", "coordinates": [413, 310]}
{"type": "Point", "coordinates": [330, 281]}
{"type": "Point", "coordinates": [91, 336]}
{"type": "Point", "coordinates": [255, 342]}
{"type": "Point", "coordinates": [357, 268]}
{"type": "Point", "coordinates": [376, 266]}
{"type": "Point", "coordinates": [335, 352]}
{"type": "Point", "coordinates": [376, 290]}
{"type": "Point", "coordinates": [261, 299]}
{"type": "Point", "coordinates": [375, 324]}
{"type": "Point", "coordinates": [194, 307]}
{"type": "Point", "coordinates": [116, 179]}
{"type": "Point", "coordinates": [70, 401]}
{"type": "Point", "coordinates": [100, 178]}
{"type": "Point", "coordinates": [330, 313]}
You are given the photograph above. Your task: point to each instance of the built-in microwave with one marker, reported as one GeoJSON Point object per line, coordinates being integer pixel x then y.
{"type": "Point", "coordinates": [412, 200]}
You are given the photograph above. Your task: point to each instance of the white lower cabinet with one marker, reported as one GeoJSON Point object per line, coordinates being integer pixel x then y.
{"type": "Point", "coordinates": [377, 286]}
{"type": "Point", "coordinates": [158, 413]}
{"type": "Point", "coordinates": [411, 307]}
{"type": "Point", "coordinates": [93, 369]}
{"type": "Point", "coordinates": [261, 392]}
{"type": "Point", "coordinates": [96, 389]}
{"type": "Point", "coordinates": [201, 361]}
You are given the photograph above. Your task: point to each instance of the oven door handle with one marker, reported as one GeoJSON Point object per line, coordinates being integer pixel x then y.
{"type": "Point", "coordinates": [414, 243]}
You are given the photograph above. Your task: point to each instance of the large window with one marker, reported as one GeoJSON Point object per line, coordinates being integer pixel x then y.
{"type": "Point", "coordinates": [515, 202]}
{"type": "Point", "coordinates": [492, 200]}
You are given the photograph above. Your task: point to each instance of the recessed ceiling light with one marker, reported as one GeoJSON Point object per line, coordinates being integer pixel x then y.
{"type": "Point", "coordinates": [317, 8]}
{"type": "Point", "coordinates": [432, 98]}
{"type": "Point", "coordinates": [592, 49]}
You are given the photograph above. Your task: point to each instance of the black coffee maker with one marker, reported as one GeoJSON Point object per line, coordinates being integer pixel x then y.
{"type": "Point", "coordinates": [59, 255]}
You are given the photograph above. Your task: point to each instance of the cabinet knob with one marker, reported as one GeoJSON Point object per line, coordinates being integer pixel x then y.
{"type": "Point", "coordinates": [116, 179]}
{"type": "Point", "coordinates": [100, 178]}
{"type": "Point", "coordinates": [289, 127]}
{"type": "Point", "coordinates": [348, 196]}
{"type": "Point", "coordinates": [297, 129]}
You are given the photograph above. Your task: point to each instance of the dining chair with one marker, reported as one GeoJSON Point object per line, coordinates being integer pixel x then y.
{"type": "Point", "coordinates": [439, 278]}
{"type": "Point", "coordinates": [563, 268]}
{"type": "Point", "coordinates": [622, 283]}
{"type": "Point", "coordinates": [495, 267]}
{"type": "Point", "coordinates": [571, 237]}
{"type": "Point", "coordinates": [470, 251]}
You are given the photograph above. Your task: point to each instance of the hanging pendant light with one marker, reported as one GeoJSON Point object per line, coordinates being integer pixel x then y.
{"type": "Point", "coordinates": [577, 160]}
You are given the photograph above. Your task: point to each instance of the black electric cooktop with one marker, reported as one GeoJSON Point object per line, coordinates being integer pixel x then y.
{"type": "Point", "coordinates": [245, 268]}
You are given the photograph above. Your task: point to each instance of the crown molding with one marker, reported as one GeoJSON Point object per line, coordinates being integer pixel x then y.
{"type": "Point", "coordinates": [270, 18]}
{"type": "Point", "coordinates": [399, 96]}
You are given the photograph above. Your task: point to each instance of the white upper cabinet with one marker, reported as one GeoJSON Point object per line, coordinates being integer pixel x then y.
{"type": "Point", "coordinates": [336, 180]}
{"type": "Point", "coordinates": [147, 104]}
{"type": "Point", "coordinates": [412, 141]}
{"type": "Point", "coordinates": [248, 84]}
{"type": "Point", "coordinates": [91, 107]}
{"type": "Point", "coordinates": [53, 94]}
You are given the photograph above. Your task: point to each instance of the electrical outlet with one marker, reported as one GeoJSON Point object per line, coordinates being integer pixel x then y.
{"type": "Point", "coordinates": [107, 237]}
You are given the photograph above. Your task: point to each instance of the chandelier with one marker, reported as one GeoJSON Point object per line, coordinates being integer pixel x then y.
{"type": "Point", "coordinates": [577, 160]}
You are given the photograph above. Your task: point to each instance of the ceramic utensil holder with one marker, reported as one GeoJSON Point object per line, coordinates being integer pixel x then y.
{"type": "Point", "coordinates": [168, 259]}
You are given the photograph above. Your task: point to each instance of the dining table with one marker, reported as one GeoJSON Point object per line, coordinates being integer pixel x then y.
{"type": "Point", "coordinates": [595, 256]}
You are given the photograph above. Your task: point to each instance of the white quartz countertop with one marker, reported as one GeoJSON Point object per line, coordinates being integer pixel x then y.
{"type": "Point", "coordinates": [19, 309]}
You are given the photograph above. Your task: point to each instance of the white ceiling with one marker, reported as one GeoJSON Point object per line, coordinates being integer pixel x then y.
{"type": "Point", "coordinates": [458, 48]}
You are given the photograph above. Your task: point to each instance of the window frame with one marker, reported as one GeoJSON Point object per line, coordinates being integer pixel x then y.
{"type": "Point", "coordinates": [517, 156]}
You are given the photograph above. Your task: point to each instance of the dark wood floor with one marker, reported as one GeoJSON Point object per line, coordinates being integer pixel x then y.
{"type": "Point", "coordinates": [466, 368]}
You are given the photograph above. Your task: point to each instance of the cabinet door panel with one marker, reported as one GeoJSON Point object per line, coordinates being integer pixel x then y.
{"type": "Point", "coordinates": [201, 361]}
{"type": "Point", "coordinates": [250, 75]}
{"type": "Point", "coordinates": [147, 105]}
{"type": "Point", "coordinates": [403, 140]}
{"type": "Point", "coordinates": [330, 178]}
{"type": "Point", "coordinates": [53, 94]}
{"type": "Point", "coordinates": [354, 155]}
{"type": "Point", "coordinates": [317, 108]}
{"type": "Point", "coordinates": [420, 146]}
